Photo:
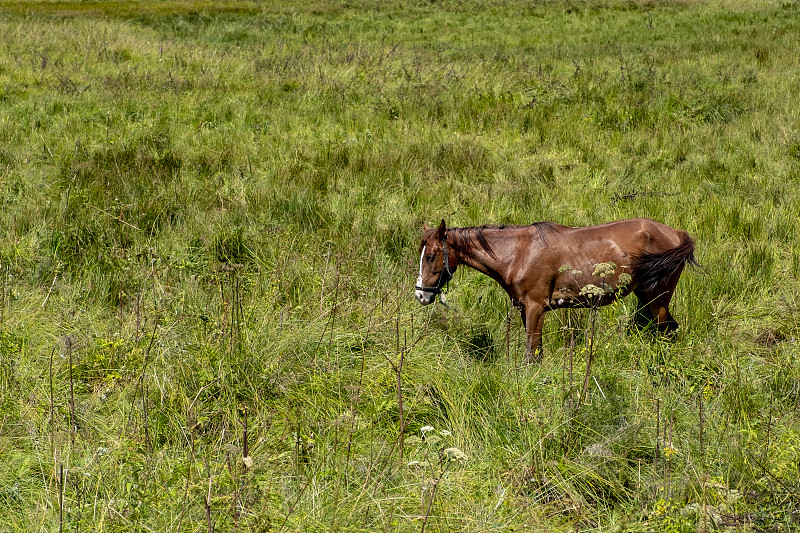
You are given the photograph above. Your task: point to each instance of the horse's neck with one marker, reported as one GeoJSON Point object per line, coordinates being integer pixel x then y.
{"type": "Point", "coordinates": [493, 260]}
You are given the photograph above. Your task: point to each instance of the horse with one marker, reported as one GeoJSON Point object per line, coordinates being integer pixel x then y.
{"type": "Point", "coordinates": [546, 266]}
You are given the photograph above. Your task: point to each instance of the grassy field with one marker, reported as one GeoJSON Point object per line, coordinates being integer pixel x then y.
{"type": "Point", "coordinates": [208, 246]}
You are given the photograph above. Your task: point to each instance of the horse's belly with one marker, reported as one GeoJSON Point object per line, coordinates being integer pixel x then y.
{"type": "Point", "coordinates": [562, 298]}
{"type": "Point", "coordinates": [565, 298]}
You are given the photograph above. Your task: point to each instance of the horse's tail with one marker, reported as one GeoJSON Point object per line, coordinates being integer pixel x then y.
{"type": "Point", "coordinates": [650, 269]}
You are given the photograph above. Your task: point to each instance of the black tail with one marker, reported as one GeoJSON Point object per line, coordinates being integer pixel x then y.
{"type": "Point", "coordinates": [651, 269]}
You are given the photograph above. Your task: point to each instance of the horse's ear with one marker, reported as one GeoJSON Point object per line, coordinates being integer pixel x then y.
{"type": "Point", "coordinates": [441, 231]}
{"type": "Point", "coordinates": [425, 226]}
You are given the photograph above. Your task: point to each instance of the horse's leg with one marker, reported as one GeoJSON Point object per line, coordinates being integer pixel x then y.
{"type": "Point", "coordinates": [654, 311]}
{"type": "Point", "coordinates": [658, 303]}
{"type": "Point", "coordinates": [533, 320]}
{"type": "Point", "coordinates": [642, 318]}
{"type": "Point", "coordinates": [538, 353]}
{"type": "Point", "coordinates": [660, 309]}
{"type": "Point", "coordinates": [653, 305]}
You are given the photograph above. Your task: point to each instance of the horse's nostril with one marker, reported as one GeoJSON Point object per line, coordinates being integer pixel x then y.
{"type": "Point", "coordinates": [422, 298]}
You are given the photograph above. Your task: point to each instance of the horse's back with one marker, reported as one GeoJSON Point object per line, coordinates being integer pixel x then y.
{"type": "Point", "coordinates": [639, 235]}
{"type": "Point", "coordinates": [660, 236]}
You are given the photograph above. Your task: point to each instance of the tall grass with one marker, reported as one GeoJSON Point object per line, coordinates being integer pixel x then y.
{"type": "Point", "coordinates": [210, 216]}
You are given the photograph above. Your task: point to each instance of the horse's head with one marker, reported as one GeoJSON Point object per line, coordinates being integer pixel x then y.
{"type": "Point", "coordinates": [436, 264]}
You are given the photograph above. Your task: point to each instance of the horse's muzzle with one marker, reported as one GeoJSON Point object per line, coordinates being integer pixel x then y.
{"type": "Point", "coordinates": [423, 297]}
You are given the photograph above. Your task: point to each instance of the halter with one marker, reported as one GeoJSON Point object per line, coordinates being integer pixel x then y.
{"type": "Point", "coordinates": [445, 275]}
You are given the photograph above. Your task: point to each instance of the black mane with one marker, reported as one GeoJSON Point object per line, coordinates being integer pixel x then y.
{"type": "Point", "coordinates": [466, 238]}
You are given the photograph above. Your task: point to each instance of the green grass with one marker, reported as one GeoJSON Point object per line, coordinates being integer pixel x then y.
{"type": "Point", "coordinates": [210, 220]}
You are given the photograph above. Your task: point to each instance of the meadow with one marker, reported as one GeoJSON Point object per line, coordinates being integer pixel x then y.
{"type": "Point", "coordinates": [209, 235]}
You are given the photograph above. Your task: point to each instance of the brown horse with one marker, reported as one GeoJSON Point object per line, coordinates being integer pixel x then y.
{"type": "Point", "coordinates": [548, 266]}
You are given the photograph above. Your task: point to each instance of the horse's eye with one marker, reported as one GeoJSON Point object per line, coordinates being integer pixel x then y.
{"type": "Point", "coordinates": [430, 258]}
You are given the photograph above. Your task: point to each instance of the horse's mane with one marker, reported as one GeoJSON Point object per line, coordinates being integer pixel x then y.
{"type": "Point", "coordinates": [468, 238]}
